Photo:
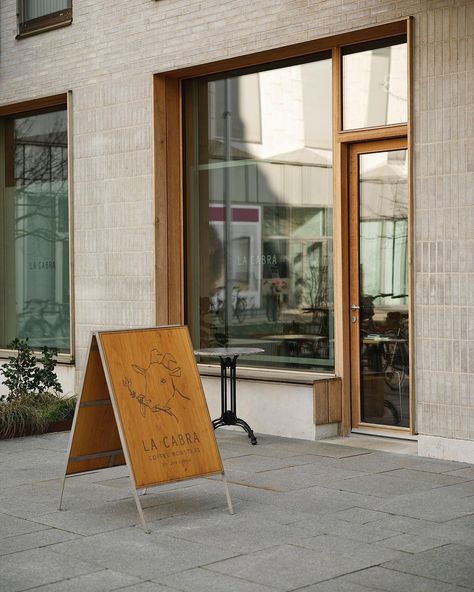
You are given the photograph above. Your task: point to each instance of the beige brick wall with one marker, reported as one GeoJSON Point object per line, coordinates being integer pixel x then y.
{"type": "Point", "coordinates": [107, 58]}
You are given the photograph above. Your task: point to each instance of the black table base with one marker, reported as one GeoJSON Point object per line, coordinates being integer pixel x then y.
{"type": "Point", "coordinates": [229, 416]}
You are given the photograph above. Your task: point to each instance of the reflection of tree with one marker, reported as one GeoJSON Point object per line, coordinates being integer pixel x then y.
{"type": "Point", "coordinates": [40, 178]}
{"type": "Point", "coordinates": [316, 282]}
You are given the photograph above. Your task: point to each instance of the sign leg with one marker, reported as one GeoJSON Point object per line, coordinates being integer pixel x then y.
{"type": "Point", "coordinates": [140, 511]}
{"type": "Point", "coordinates": [62, 493]}
{"type": "Point", "coordinates": [227, 494]}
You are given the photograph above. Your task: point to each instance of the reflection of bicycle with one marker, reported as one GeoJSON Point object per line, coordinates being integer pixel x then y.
{"type": "Point", "coordinates": [395, 358]}
{"type": "Point", "coordinates": [35, 325]}
{"type": "Point", "coordinates": [239, 304]}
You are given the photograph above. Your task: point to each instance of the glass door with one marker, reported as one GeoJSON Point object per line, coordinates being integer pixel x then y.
{"type": "Point", "coordinates": [379, 292]}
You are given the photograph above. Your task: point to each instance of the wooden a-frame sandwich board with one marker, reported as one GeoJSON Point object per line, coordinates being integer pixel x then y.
{"type": "Point", "coordinates": [142, 404]}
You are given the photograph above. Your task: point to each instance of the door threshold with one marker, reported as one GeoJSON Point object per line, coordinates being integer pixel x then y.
{"type": "Point", "coordinates": [396, 435]}
{"type": "Point", "coordinates": [377, 443]}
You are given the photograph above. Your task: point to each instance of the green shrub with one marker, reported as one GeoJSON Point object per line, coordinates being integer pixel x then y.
{"type": "Point", "coordinates": [33, 401]}
{"type": "Point", "coordinates": [25, 374]}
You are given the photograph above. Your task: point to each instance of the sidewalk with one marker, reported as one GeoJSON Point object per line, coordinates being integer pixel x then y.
{"type": "Point", "coordinates": [313, 517]}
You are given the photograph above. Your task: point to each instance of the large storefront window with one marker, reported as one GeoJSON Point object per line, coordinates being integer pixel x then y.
{"type": "Point", "coordinates": [34, 249]}
{"type": "Point", "coordinates": [259, 214]}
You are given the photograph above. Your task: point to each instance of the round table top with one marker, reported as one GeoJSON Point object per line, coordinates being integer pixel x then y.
{"type": "Point", "coordinates": [226, 352]}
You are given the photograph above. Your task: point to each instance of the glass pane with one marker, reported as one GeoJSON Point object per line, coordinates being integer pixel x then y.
{"type": "Point", "coordinates": [259, 182]}
{"type": "Point", "coordinates": [383, 284]}
{"type": "Point", "coordinates": [36, 8]}
{"type": "Point", "coordinates": [35, 300]}
{"type": "Point", "coordinates": [375, 86]}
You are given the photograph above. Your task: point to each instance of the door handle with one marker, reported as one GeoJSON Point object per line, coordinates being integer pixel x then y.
{"type": "Point", "coordinates": [355, 307]}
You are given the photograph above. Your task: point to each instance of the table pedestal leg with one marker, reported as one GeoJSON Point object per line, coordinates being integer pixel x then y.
{"type": "Point", "coordinates": [229, 416]}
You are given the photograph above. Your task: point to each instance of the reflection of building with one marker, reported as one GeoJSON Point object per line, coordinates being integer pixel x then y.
{"type": "Point", "coordinates": [341, 148]}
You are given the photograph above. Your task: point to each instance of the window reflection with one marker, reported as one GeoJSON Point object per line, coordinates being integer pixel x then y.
{"type": "Point", "coordinates": [35, 249]}
{"type": "Point", "coordinates": [259, 184]}
{"type": "Point", "coordinates": [375, 84]}
{"type": "Point", "coordinates": [383, 285]}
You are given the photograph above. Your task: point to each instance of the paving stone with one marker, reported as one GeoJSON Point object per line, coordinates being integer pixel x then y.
{"type": "Point", "coordinates": [435, 505]}
{"type": "Point", "coordinates": [146, 556]}
{"type": "Point", "coordinates": [295, 500]}
{"type": "Point", "coordinates": [239, 533]}
{"type": "Point", "coordinates": [367, 533]}
{"type": "Point", "coordinates": [428, 476]}
{"type": "Point", "coordinates": [345, 550]}
{"type": "Point", "coordinates": [11, 526]}
{"type": "Point", "coordinates": [382, 485]}
{"type": "Point", "coordinates": [95, 520]}
{"type": "Point", "coordinates": [387, 580]}
{"type": "Point", "coordinates": [412, 543]}
{"type": "Point", "coordinates": [402, 523]}
{"type": "Point", "coordinates": [148, 587]}
{"type": "Point", "coordinates": [292, 478]}
{"type": "Point", "coordinates": [101, 581]}
{"type": "Point", "coordinates": [284, 567]}
{"type": "Point", "coordinates": [359, 515]}
{"type": "Point", "coordinates": [26, 569]}
{"type": "Point", "coordinates": [437, 466]}
{"type": "Point", "coordinates": [285, 448]}
{"type": "Point", "coordinates": [448, 532]}
{"type": "Point", "coordinates": [464, 521]}
{"type": "Point", "coordinates": [467, 473]}
{"type": "Point", "coordinates": [258, 463]}
{"type": "Point", "coordinates": [336, 585]}
{"type": "Point", "coordinates": [34, 540]}
{"type": "Point", "coordinates": [321, 500]}
{"type": "Point", "coordinates": [267, 511]}
{"type": "Point", "coordinates": [203, 580]}
{"type": "Point", "coordinates": [377, 462]}
{"type": "Point", "coordinates": [465, 489]}
{"type": "Point", "coordinates": [450, 563]}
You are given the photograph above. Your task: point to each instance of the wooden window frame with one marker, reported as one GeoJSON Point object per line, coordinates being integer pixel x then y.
{"type": "Point", "coordinates": [47, 22]}
{"type": "Point", "coordinates": [168, 179]}
{"type": "Point", "coordinates": [33, 107]}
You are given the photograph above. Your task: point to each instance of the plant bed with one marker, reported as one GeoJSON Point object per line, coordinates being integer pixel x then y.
{"type": "Point", "coordinates": [34, 404]}
{"type": "Point", "coordinates": [35, 414]}
{"type": "Point", "coordinates": [59, 426]}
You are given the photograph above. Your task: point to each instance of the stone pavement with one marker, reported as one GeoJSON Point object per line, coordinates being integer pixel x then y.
{"type": "Point", "coordinates": [313, 517]}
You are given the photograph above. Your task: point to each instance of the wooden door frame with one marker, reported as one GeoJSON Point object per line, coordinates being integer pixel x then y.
{"type": "Point", "coordinates": [355, 150]}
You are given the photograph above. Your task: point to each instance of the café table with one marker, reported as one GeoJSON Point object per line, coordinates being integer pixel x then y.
{"type": "Point", "coordinates": [228, 360]}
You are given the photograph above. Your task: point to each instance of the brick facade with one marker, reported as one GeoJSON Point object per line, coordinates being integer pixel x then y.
{"type": "Point", "coordinates": [107, 58]}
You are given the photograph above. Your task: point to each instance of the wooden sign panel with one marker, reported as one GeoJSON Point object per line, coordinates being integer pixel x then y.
{"type": "Point", "coordinates": [144, 385]}
{"type": "Point", "coordinates": [95, 440]}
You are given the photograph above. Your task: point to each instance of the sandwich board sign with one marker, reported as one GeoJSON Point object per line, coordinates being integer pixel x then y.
{"type": "Point", "coordinates": [142, 404]}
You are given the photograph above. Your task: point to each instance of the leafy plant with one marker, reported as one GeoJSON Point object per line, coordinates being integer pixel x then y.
{"type": "Point", "coordinates": [33, 401]}
{"type": "Point", "coordinates": [20, 370]}
{"type": "Point", "coordinates": [25, 374]}
{"type": "Point", "coordinates": [47, 379]}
